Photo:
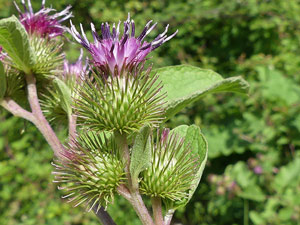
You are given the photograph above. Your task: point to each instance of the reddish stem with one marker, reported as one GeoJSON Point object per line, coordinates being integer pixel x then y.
{"type": "Point", "coordinates": [40, 121]}
{"type": "Point", "coordinates": [157, 211]}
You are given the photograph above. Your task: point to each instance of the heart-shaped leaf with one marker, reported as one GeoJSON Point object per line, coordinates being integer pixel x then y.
{"type": "Point", "coordinates": [186, 84]}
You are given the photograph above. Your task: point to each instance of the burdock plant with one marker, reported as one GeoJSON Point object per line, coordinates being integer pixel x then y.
{"type": "Point", "coordinates": [114, 107]}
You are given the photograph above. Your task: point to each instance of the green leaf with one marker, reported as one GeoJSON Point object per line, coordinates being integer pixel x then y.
{"type": "Point", "coordinates": [288, 176]}
{"type": "Point", "coordinates": [252, 193]}
{"type": "Point", "coordinates": [2, 81]}
{"type": "Point", "coordinates": [65, 95]}
{"type": "Point", "coordinates": [285, 214]}
{"type": "Point", "coordinates": [241, 174]}
{"type": "Point", "coordinates": [186, 84]}
{"type": "Point", "coordinates": [256, 218]}
{"type": "Point", "coordinates": [14, 40]}
{"type": "Point", "coordinates": [196, 141]}
{"type": "Point", "coordinates": [141, 153]}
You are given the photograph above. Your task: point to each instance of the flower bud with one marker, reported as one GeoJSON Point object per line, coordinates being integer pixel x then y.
{"type": "Point", "coordinates": [172, 172]}
{"type": "Point", "coordinates": [123, 103]}
{"type": "Point", "coordinates": [90, 171]}
{"type": "Point", "coordinates": [48, 56]}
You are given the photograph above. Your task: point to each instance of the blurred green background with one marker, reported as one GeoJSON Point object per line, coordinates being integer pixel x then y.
{"type": "Point", "coordinates": [252, 175]}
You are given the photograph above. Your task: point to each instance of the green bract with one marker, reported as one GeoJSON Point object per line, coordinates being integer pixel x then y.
{"type": "Point", "coordinates": [123, 103]}
{"type": "Point", "coordinates": [173, 169]}
{"type": "Point", "coordinates": [48, 56]}
{"type": "Point", "coordinates": [91, 171]}
{"type": "Point", "coordinates": [194, 139]}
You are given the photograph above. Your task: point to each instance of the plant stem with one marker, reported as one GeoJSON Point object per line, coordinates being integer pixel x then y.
{"type": "Point", "coordinates": [168, 216]}
{"type": "Point", "coordinates": [11, 106]}
{"type": "Point", "coordinates": [123, 191]}
{"type": "Point", "coordinates": [136, 199]}
{"type": "Point", "coordinates": [103, 216]}
{"type": "Point", "coordinates": [40, 121]}
{"type": "Point", "coordinates": [140, 208]}
{"type": "Point", "coordinates": [42, 124]}
{"type": "Point", "coordinates": [246, 212]}
{"type": "Point", "coordinates": [157, 210]}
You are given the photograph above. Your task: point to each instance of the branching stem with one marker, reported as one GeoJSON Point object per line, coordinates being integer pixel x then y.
{"type": "Point", "coordinates": [11, 106]}
{"type": "Point", "coordinates": [136, 199]}
{"type": "Point", "coordinates": [40, 121]}
{"type": "Point", "coordinates": [123, 191]}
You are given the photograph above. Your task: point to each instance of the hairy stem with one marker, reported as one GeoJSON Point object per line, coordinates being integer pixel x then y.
{"type": "Point", "coordinates": [140, 208]}
{"type": "Point", "coordinates": [103, 216]}
{"type": "Point", "coordinates": [136, 199]}
{"type": "Point", "coordinates": [11, 106]}
{"type": "Point", "coordinates": [40, 121]}
{"type": "Point", "coordinates": [42, 124]}
{"type": "Point", "coordinates": [157, 210]}
{"type": "Point", "coordinates": [123, 191]}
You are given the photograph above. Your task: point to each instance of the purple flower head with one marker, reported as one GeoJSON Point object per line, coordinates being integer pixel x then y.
{"type": "Point", "coordinates": [113, 54]}
{"type": "Point", "coordinates": [76, 69]}
{"type": "Point", "coordinates": [258, 170]}
{"type": "Point", "coordinates": [41, 23]}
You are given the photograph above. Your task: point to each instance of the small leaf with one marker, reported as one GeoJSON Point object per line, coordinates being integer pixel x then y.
{"type": "Point", "coordinates": [253, 193]}
{"type": "Point", "coordinates": [14, 40]}
{"type": "Point", "coordinates": [256, 218]}
{"type": "Point", "coordinates": [2, 81]}
{"type": "Point", "coordinates": [186, 84]}
{"type": "Point", "coordinates": [195, 140]}
{"type": "Point", "coordinates": [141, 153]}
{"type": "Point", "coordinates": [65, 96]}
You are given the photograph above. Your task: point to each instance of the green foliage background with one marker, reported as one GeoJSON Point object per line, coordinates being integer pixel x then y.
{"type": "Point", "coordinates": [258, 39]}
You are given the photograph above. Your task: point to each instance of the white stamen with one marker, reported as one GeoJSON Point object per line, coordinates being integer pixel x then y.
{"type": "Point", "coordinates": [17, 7]}
{"type": "Point", "coordinates": [75, 33]}
{"type": "Point", "coordinates": [151, 28]}
{"type": "Point", "coordinates": [83, 34]}
{"type": "Point", "coordinates": [170, 37]}
{"type": "Point", "coordinates": [166, 30]}
{"type": "Point", "coordinates": [29, 6]}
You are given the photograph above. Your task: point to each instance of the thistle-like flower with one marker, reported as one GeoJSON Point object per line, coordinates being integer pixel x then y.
{"type": "Point", "coordinates": [111, 54]}
{"type": "Point", "coordinates": [90, 171]}
{"type": "Point", "coordinates": [76, 70]}
{"type": "Point", "coordinates": [173, 168]}
{"type": "Point", "coordinates": [42, 23]}
{"type": "Point", "coordinates": [52, 102]}
{"type": "Point", "coordinates": [123, 104]}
